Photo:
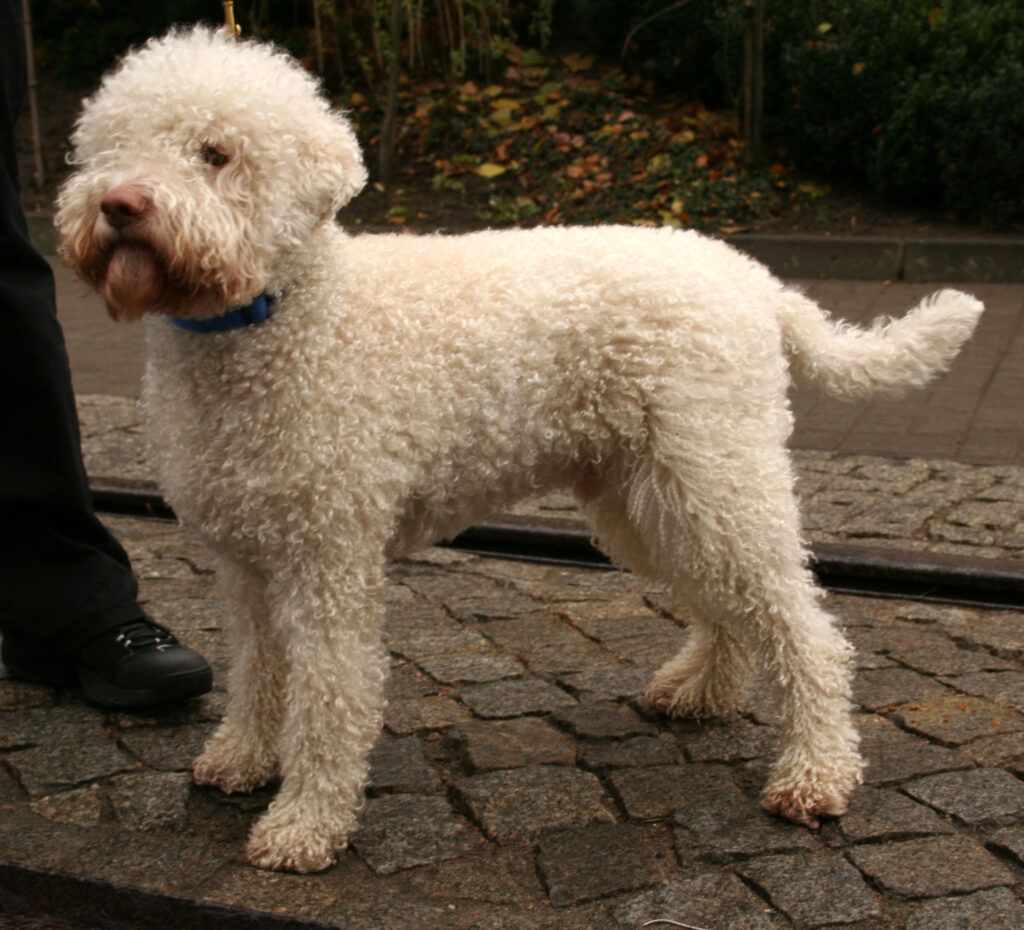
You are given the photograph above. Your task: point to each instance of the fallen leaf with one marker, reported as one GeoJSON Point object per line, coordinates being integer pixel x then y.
{"type": "Point", "coordinates": [814, 190]}
{"type": "Point", "coordinates": [490, 170]}
{"type": "Point", "coordinates": [576, 62]}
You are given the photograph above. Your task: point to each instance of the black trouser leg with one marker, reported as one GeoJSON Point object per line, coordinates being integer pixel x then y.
{"type": "Point", "coordinates": [63, 578]}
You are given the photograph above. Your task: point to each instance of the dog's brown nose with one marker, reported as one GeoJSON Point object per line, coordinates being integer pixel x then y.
{"type": "Point", "coordinates": [124, 205]}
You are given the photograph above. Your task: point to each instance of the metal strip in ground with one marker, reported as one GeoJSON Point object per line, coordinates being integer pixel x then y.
{"type": "Point", "coordinates": [869, 571]}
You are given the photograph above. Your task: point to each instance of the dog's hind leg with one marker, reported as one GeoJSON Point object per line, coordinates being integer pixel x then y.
{"type": "Point", "coordinates": [708, 676]}
{"type": "Point", "coordinates": [330, 627]}
{"type": "Point", "coordinates": [726, 517]}
{"type": "Point", "coordinates": [242, 753]}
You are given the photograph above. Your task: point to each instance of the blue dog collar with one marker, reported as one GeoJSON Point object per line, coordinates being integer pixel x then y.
{"type": "Point", "coordinates": [235, 318]}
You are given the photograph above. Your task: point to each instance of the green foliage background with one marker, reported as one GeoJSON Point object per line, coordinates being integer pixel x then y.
{"type": "Point", "coordinates": [921, 100]}
{"type": "Point", "coordinates": [918, 101]}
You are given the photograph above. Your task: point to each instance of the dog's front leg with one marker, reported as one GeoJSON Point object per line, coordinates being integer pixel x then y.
{"type": "Point", "coordinates": [330, 627]}
{"type": "Point", "coordinates": [242, 754]}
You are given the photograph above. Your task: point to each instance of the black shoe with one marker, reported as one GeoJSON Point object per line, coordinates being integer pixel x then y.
{"type": "Point", "coordinates": [140, 664]}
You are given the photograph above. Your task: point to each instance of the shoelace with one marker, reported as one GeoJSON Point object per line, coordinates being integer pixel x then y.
{"type": "Point", "coordinates": [140, 634]}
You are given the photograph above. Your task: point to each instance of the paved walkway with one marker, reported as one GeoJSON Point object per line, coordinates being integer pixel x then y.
{"type": "Point", "coordinates": [520, 782]}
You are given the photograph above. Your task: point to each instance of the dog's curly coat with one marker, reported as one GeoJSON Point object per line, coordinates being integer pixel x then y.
{"type": "Point", "coordinates": [405, 385]}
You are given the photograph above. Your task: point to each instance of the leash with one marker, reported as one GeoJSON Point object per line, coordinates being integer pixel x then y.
{"type": "Point", "coordinates": [229, 19]}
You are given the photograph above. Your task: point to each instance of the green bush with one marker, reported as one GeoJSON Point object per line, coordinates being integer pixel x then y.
{"type": "Point", "coordinates": [923, 100]}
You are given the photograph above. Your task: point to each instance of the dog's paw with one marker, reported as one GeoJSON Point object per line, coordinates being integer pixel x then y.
{"type": "Point", "coordinates": [233, 772]}
{"type": "Point", "coordinates": [688, 700]}
{"type": "Point", "coordinates": [805, 795]}
{"type": "Point", "coordinates": [279, 842]}
{"type": "Point", "coordinates": [805, 809]}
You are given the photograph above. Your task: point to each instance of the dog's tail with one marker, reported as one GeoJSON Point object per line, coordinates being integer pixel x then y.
{"type": "Point", "coordinates": [891, 356]}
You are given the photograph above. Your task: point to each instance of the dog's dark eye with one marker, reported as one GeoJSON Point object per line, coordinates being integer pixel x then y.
{"type": "Point", "coordinates": [213, 156]}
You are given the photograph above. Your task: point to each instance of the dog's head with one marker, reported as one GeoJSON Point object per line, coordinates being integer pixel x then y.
{"type": "Point", "coordinates": [201, 164]}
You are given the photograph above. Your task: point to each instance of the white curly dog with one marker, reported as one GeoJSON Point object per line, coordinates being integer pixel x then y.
{"type": "Point", "coordinates": [376, 393]}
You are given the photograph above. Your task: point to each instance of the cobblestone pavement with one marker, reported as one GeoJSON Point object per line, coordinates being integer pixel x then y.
{"type": "Point", "coordinates": [520, 782]}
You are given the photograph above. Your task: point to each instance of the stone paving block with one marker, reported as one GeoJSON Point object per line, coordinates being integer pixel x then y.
{"type": "Point", "coordinates": [648, 651]}
{"type": "Point", "coordinates": [472, 597]}
{"type": "Point", "coordinates": [1006, 749]}
{"type": "Point", "coordinates": [635, 752]}
{"type": "Point", "coordinates": [175, 863]}
{"type": "Point", "coordinates": [957, 718]}
{"type": "Point", "coordinates": [43, 843]}
{"type": "Point", "coordinates": [45, 769]}
{"type": "Point", "coordinates": [654, 792]}
{"type": "Point", "coordinates": [431, 712]}
{"type": "Point", "coordinates": [79, 807]}
{"type": "Point", "coordinates": [514, 697]}
{"type": "Point", "coordinates": [169, 749]}
{"type": "Point", "coordinates": [996, 909]}
{"type": "Point", "coordinates": [715, 899]}
{"type": "Point", "coordinates": [484, 876]}
{"type": "Point", "coordinates": [399, 765]}
{"type": "Point", "coordinates": [1002, 632]}
{"type": "Point", "coordinates": [22, 695]}
{"type": "Point", "coordinates": [401, 831]}
{"type": "Point", "coordinates": [151, 800]}
{"type": "Point", "coordinates": [549, 646]}
{"type": "Point", "coordinates": [894, 517]}
{"type": "Point", "coordinates": [1010, 839]}
{"type": "Point", "coordinates": [1006, 688]}
{"type": "Point", "coordinates": [648, 639]}
{"type": "Point", "coordinates": [881, 813]}
{"type": "Point", "coordinates": [931, 867]}
{"type": "Point", "coordinates": [813, 889]}
{"type": "Point", "coordinates": [602, 720]}
{"type": "Point", "coordinates": [975, 796]}
{"type": "Point", "coordinates": [942, 657]}
{"type": "Point", "coordinates": [405, 680]}
{"type": "Point", "coordinates": [732, 741]}
{"type": "Point", "coordinates": [893, 755]}
{"type": "Point", "coordinates": [508, 744]}
{"type": "Point", "coordinates": [471, 667]}
{"type": "Point", "coordinates": [609, 607]}
{"type": "Point", "coordinates": [597, 861]}
{"type": "Point", "coordinates": [418, 637]}
{"type": "Point", "coordinates": [521, 804]}
{"type": "Point", "coordinates": [992, 515]}
{"type": "Point", "coordinates": [607, 684]}
{"type": "Point", "coordinates": [608, 626]}
{"type": "Point", "coordinates": [882, 688]}
{"type": "Point", "coordinates": [728, 823]}
{"type": "Point", "coordinates": [70, 724]}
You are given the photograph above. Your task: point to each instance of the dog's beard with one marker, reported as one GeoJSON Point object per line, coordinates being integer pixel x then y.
{"type": "Point", "coordinates": [135, 281]}
{"type": "Point", "coordinates": [134, 278]}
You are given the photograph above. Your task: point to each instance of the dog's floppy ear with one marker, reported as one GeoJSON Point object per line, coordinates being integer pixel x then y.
{"type": "Point", "coordinates": [338, 164]}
